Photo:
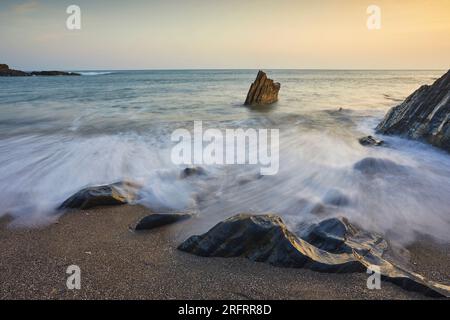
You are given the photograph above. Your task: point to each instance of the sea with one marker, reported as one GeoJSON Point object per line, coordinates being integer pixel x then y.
{"type": "Point", "coordinates": [61, 134]}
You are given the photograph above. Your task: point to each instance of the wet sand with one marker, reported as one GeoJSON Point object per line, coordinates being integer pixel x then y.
{"type": "Point", "coordinates": [118, 263]}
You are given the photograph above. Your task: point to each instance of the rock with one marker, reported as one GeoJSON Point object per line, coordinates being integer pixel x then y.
{"type": "Point", "coordinates": [5, 71]}
{"type": "Point", "coordinates": [337, 235]}
{"type": "Point", "coordinates": [192, 171]}
{"type": "Point", "coordinates": [336, 246]}
{"type": "Point", "coordinates": [424, 115]}
{"type": "Point", "coordinates": [336, 198]}
{"type": "Point", "coordinates": [373, 166]}
{"type": "Point", "coordinates": [157, 220]}
{"type": "Point", "coordinates": [262, 91]}
{"type": "Point", "coordinates": [54, 73]}
{"type": "Point", "coordinates": [107, 195]}
{"type": "Point", "coordinates": [370, 141]}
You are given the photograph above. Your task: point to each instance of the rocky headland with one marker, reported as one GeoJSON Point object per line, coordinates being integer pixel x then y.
{"type": "Point", "coordinates": [5, 71]}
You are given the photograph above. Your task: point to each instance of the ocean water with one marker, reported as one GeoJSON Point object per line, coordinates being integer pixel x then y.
{"type": "Point", "coordinates": [60, 134]}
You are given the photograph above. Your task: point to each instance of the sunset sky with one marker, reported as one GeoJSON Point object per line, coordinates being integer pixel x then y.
{"type": "Point", "coordinates": [176, 34]}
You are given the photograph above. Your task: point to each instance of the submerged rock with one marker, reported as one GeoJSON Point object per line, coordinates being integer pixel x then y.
{"type": "Point", "coordinates": [106, 195]}
{"type": "Point", "coordinates": [157, 220]}
{"type": "Point", "coordinates": [5, 71]}
{"type": "Point", "coordinates": [262, 91]}
{"type": "Point", "coordinates": [192, 171]}
{"type": "Point", "coordinates": [424, 115]}
{"type": "Point", "coordinates": [370, 141]}
{"type": "Point", "coordinates": [335, 246]}
{"type": "Point", "coordinates": [373, 166]}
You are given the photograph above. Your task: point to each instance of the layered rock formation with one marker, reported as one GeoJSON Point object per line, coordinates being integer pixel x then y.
{"type": "Point", "coordinates": [333, 245]}
{"type": "Point", "coordinates": [424, 115]}
{"type": "Point", "coordinates": [5, 71]}
{"type": "Point", "coordinates": [262, 91]}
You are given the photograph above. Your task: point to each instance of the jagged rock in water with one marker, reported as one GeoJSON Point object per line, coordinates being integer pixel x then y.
{"type": "Point", "coordinates": [262, 91]}
{"type": "Point", "coordinates": [424, 115]}
{"type": "Point", "coordinates": [372, 166]}
{"type": "Point", "coordinates": [157, 220]}
{"type": "Point", "coordinates": [265, 238]}
{"type": "Point", "coordinates": [5, 71]}
{"type": "Point", "coordinates": [192, 171]}
{"type": "Point", "coordinates": [370, 141]}
{"type": "Point", "coordinates": [107, 195]}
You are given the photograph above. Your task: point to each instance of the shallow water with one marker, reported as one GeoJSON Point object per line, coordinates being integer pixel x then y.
{"type": "Point", "coordinates": [60, 134]}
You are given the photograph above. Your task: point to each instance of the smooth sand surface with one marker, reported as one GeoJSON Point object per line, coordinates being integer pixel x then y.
{"type": "Point", "coordinates": [118, 263]}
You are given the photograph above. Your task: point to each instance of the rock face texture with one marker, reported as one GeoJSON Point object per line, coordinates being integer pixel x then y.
{"type": "Point", "coordinates": [262, 91]}
{"type": "Point", "coordinates": [157, 220]}
{"type": "Point", "coordinates": [424, 115]}
{"type": "Point", "coordinates": [5, 71]}
{"type": "Point", "coordinates": [333, 245]}
{"type": "Point", "coordinates": [107, 195]}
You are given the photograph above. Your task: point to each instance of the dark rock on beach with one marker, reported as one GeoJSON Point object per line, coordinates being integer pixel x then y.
{"type": "Point", "coordinates": [157, 220]}
{"type": "Point", "coordinates": [107, 195]}
{"type": "Point", "coordinates": [424, 115]}
{"type": "Point", "coordinates": [5, 71]}
{"type": "Point", "coordinates": [263, 91]}
{"type": "Point", "coordinates": [333, 245]}
{"type": "Point", "coordinates": [370, 141]}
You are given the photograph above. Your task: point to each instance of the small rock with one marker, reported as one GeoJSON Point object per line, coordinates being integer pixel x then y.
{"type": "Point", "coordinates": [157, 220]}
{"type": "Point", "coordinates": [193, 171]}
{"type": "Point", "coordinates": [107, 195]}
{"type": "Point", "coordinates": [370, 141]}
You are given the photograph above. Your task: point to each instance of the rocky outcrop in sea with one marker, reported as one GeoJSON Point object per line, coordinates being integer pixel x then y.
{"type": "Point", "coordinates": [424, 115]}
{"type": "Point", "coordinates": [5, 71]}
{"type": "Point", "coordinates": [262, 91]}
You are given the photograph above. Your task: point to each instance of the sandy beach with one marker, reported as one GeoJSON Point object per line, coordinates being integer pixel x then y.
{"type": "Point", "coordinates": [118, 263]}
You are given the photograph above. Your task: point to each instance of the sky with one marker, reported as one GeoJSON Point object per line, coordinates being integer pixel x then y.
{"type": "Point", "coordinates": [222, 34]}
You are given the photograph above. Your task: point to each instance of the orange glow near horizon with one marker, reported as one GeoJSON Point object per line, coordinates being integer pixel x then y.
{"type": "Point", "coordinates": [331, 34]}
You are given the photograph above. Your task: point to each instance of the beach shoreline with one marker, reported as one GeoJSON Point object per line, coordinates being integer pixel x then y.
{"type": "Point", "coordinates": [119, 263]}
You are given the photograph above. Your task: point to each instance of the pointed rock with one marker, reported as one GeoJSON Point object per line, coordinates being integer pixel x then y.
{"type": "Point", "coordinates": [262, 91]}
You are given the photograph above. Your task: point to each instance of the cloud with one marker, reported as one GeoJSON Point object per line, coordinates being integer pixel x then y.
{"type": "Point", "coordinates": [25, 7]}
